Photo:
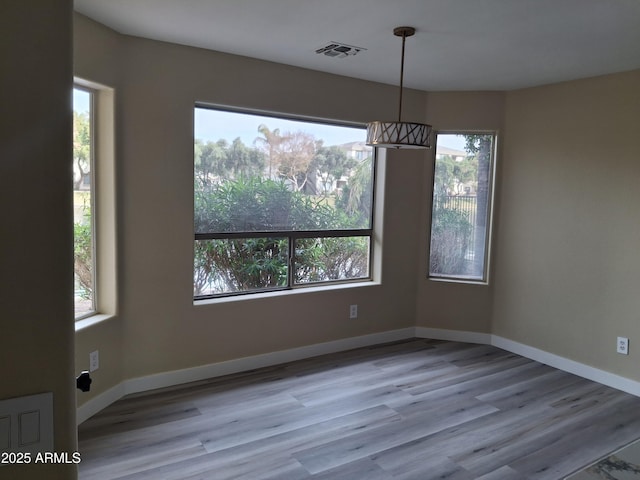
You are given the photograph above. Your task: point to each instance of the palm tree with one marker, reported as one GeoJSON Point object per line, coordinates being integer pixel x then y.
{"type": "Point", "coordinates": [358, 193]}
{"type": "Point", "coordinates": [270, 142]}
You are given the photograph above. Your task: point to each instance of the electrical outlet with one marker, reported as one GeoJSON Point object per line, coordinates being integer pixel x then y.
{"type": "Point", "coordinates": [94, 361]}
{"type": "Point", "coordinates": [623, 345]}
{"type": "Point", "coordinates": [353, 311]}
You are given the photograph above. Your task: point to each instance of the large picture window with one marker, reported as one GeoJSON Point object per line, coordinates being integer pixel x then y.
{"type": "Point", "coordinates": [461, 206]}
{"type": "Point", "coordinates": [279, 203]}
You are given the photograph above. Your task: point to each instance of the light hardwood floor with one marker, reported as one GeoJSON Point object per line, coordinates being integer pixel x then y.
{"type": "Point", "coordinates": [417, 409]}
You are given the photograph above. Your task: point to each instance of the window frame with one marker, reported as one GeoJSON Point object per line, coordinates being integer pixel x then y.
{"type": "Point", "coordinates": [92, 203]}
{"type": "Point", "coordinates": [293, 235]}
{"type": "Point", "coordinates": [468, 279]}
{"type": "Point", "coordinates": [104, 208]}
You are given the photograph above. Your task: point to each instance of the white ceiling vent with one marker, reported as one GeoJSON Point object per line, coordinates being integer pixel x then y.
{"type": "Point", "coordinates": [339, 50]}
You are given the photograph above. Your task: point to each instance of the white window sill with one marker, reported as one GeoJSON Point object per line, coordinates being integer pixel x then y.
{"type": "Point", "coordinates": [284, 293]}
{"type": "Point", "coordinates": [466, 281]}
{"type": "Point", "coordinates": [92, 320]}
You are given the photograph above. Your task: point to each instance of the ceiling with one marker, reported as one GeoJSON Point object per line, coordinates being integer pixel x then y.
{"type": "Point", "coordinates": [458, 45]}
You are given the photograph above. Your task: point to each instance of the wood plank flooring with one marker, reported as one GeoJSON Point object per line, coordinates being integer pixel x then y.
{"type": "Point", "coordinates": [416, 409]}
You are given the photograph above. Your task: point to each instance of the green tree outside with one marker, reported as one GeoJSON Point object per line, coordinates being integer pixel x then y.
{"type": "Point", "coordinates": [458, 228]}
{"type": "Point", "coordinates": [82, 228]}
{"type": "Point", "coordinates": [277, 192]}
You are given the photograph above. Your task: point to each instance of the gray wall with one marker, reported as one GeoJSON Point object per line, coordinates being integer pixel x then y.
{"type": "Point", "coordinates": [36, 243]}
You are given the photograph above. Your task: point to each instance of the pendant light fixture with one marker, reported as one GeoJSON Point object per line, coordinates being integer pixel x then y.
{"type": "Point", "coordinates": [399, 134]}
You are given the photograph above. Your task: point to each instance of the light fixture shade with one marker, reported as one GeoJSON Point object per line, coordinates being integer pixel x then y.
{"type": "Point", "coordinates": [399, 135]}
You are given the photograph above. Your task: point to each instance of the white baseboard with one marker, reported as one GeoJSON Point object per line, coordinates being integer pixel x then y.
{"type": "Point", "coordinates": [571, 366]}
{"type": "Point", "coordinates": [553, 360]}
{"type": "Point", "coordinates": [99, 402]}
{"type": "Point", "coordinates": [453, 335]}
{"type": "Point", "coordinates": [177, 377]}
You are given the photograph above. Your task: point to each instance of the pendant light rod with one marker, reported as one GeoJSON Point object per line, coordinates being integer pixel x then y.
{"type": "Point", "coordinates": [399, 134]}
{"type": "Point", "coordinates": [403, 32]}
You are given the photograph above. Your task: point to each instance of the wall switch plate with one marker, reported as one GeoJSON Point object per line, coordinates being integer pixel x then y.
{"type": "Point", "coordinates": [623, 345]}
{"type": "Point", "coordinates": [26, 426]}
{"type": "Point", "coordinates": [353, 311]}
{"type": "Point", "coordinates": [94, 361]}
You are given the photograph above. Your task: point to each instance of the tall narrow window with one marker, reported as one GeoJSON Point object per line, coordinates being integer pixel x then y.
{"type": "Point", "coordinates": [279, 203]}
{"type": "Point", "coordinates": [83, 203]}
{"type": "Point", "coordinates": [461, 206]}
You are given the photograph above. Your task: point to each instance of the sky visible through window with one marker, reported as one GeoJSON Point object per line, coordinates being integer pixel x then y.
{"type": "Point", "coordinates": [81, 100]}
{"type": "Point", "coordinates": [212, 125]}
